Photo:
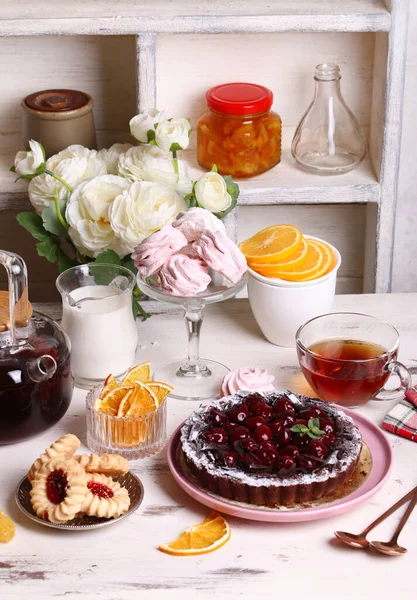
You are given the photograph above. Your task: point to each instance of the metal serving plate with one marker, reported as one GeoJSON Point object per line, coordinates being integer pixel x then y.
{"type": "Point", "coordinates": [130, 481]}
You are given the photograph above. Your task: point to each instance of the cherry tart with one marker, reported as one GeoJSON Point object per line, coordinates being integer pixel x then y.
{"type": "Point", "coordinates": [270, 449]}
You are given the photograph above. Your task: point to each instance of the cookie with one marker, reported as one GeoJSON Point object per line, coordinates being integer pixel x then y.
{"type": "Point", "coordinates": [107, 464]}
{"type": "Point", "coordinates": [66, 446]}
{"type": "Point", "coordinates": [105, 497]}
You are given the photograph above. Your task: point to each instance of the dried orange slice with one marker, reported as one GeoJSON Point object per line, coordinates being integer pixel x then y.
{"type": "Point", "coordinates": [202, 538]}
{"type": "Point", "coordinates": [143, 401]}
{"type": "Point", "coordinates": [7, 528]}
{"type": "Point", "coordinates": [291, 263]}
{"type": "Point", "coordinates": [109, 385]}
{"type": "Point", "coordinates": [139, 374]}
{"type": "Point", "coordinates": [160, 389]}
{"type": "Point", "coordinates": [328, 262]}
{"type": "Point", "coordinates": [275, 243]}
{"type": "Point", "coordinates": [111, 402]}
{"type": "Point", "coordinates": [311, 265]}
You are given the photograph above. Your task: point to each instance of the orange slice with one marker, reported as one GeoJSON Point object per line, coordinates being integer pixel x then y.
{"type": "Point", "coordinates": [142, 402]}
{"type": "Point", "coordinates": [160, 389]}
{"type": "Point", "coordinates": [109, 385]}
{"type": "Point", "coordinates": [328, 263]}
{"type": "Point", "coordinates": [111, 402]}
{"type": "Point", "coordinates": [7, 528]}
{"type": "Point", "coordinates": [202, 538]}
{"type": "Point", "coordinates": [312, 264]}
{"type": "Point", "coordinates": [292, 262]}
{"type": "Point", "coordinates": [141, 373]}
{"type": "Point", "coordinates": [275, 243]}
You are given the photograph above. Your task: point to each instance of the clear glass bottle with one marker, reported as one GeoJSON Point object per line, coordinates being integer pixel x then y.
{"type": "Point", "coordinates": [328, 140]}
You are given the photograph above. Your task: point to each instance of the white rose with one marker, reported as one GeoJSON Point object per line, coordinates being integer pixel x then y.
{"type": "Point", "coordinates": [143, 209]}
{"type": "Point", "coordinates": [175, 131]}
{"type": "Point", "coordinates": [142, 123]}
{"type": "Point", "coordinates": [27, 163]}
{"type": "Point", "coordinates": [74, 165]}
{"type": "Point", "coordinates": [150, 163]}
{"type": "Point", "coordinates": [211, 192]}
{"type": "Point", "coordinates": [88, 215]}
{"type": "Point", "coordinates": [111, 156]}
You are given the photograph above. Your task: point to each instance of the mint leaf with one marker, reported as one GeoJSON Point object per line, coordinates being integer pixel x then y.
{"type": "Point", "coordinates": [49, 249]}
{"type": "Point", "coordinates": [109, 257]}
{"type": "Point", "coordinates": [51, 222]}
{"type": "Point", "coordinates": [300, 428]}
{"type": "Point", "coordinates": [33, 224]}
{"type": "Point", "coordinates": [313, 423]}
{"type": "Point", "coordinates": [174, 147]}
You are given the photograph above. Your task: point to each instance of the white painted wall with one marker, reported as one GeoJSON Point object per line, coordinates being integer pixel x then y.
{"type": "Point", "coordinates": [405, 249]}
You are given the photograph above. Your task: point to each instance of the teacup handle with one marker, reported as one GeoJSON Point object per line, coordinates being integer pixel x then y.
{"type": "Point", "coordinates": [405, 382]}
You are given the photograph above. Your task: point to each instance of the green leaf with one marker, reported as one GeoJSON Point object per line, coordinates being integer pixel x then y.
{"type": "Point", "coordinates": [300, 428]}
{"type": "Point", "coordinates": [232, 187]}
{"type": "Point", "coordinates": [13, 169]}
{"type": "Point", "coordinates": [214, 169]}
{"type": "Point", "coordinates": [51, 222]}
{"type": "Point", "coordinates": [175, 147]}
{"type": "Point", "coordinates": [192, 201]}
{"type": "Point", "coordinates": [140, 310]}
{"type": "Point", "coordinates": [151, 135]}
{"type": "Point", "coordinates": [109, 257]}
{"type": "Point", "coordinates": [129, 264]}
{"type": "Point", "coordinates": [64, 261]}
{"type": "Point", "coordinates": [33, 224]}
{"type": "Point", "coordinates": [313, 423]}
{"type": "Point", "coordinates": [49, 249]}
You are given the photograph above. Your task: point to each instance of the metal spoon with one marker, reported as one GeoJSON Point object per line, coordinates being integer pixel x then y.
{"type": "Point", "coordinates": [392, 548]}
{"type": "Point", "coordinates": [359, 540]}
{"type": "Point", "coordinates": [77, 303]}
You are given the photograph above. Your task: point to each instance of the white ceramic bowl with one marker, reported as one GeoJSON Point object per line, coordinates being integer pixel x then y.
{"type": "Point", "coordinates": [281, 307]}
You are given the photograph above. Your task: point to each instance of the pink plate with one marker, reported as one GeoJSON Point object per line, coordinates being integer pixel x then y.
{"type": "Point", "coordinates": [377, 443]}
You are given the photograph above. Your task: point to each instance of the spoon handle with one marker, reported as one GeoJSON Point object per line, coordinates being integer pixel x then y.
{"type": "Point", "coordinates": [389, 512]}
{"type": "Point", "coordinates": [405, 517]}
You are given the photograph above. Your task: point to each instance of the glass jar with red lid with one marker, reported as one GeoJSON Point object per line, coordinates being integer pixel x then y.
{"type": "Point", "coordinates": [239, 132]}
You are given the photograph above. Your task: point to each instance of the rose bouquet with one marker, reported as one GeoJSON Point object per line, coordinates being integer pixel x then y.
{"type": "Point", "coordinates": [97, 207]}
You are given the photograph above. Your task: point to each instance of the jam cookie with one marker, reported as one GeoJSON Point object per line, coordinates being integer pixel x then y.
{"type": "Point", "coordinates": [105, 497]}
{"type": "Point", "coordinates": [112, 465]}
{"type": "Point", "coordinates": [59, 490]}
{"type": "Point", "coordinates": [66, 446]}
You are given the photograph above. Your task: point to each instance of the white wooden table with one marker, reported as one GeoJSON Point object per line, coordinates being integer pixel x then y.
{"type": "Point", "coordinates": [261, 560]}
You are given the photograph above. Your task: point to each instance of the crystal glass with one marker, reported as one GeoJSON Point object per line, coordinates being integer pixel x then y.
{"type": "Point", "coordinates": [193, 378]}
{"type": "Point", "coordinates": [328, 140]}
{"type": "Point", "coordinates": [347, 358]}
{"type": "Point", "coordinates": [97, 316]}
{"type": "Point", "coordinates": [132, 437]}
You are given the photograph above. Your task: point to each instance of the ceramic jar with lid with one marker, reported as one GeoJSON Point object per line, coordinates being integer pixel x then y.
{"type": "Point", "coordinates": [239, 132]}
{"type": "Point", "coordinates": [59, 118]}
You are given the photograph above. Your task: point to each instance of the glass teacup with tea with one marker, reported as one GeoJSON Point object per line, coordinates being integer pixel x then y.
{"type": "Point", "coordinates": [347, 358]}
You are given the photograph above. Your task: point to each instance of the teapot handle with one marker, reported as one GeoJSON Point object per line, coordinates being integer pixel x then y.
{"type": "Point", "coordinates": [18, 280]}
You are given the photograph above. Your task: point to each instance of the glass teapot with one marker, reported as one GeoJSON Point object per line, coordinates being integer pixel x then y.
{"type": "Point", "coordinates": [35, 374]}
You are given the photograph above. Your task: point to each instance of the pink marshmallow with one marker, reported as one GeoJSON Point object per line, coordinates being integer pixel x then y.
{"type": "Point", "coordinates": [157, 248]}
{"type": "Point", "coordinates": [183, 275]}
{"type": "Point", "coordinates": [221, 254]}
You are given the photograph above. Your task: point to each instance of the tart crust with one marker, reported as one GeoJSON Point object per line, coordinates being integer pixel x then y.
{"type": "Point", "coordinates": [271, 489]}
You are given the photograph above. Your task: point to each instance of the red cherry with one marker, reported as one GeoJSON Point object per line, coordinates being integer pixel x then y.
{"type": "Point", "coordinates": [248, 444]}
{"type": "Point", "coordinates": [288, 421]}
{"type": "Point", "coordinates": [301, 440]}
{"type": "Point", "coordinates": [254, 422]}
{"type": "Point", "coordinates": [268, 445]}
{"type": "Point", "coordinates": [300, 422]}
{"type": "Point", "coordinates": [291, 451]}
{"type": "Point", "coordinates": [267, 457]}
{"type": "Point", "coordinates": [217, 435]}
{"type": "Point", "coordinates": [262, 433]}
{"type": "Point", "coordinates": [260, 409]}
{"type": "Point", "coordinates": [237, 413]}
{"type": "Point", "coordinates": [216, 417]}
{"type": "Point", "coordinates": [283, 438]}
{"type": "Point", "coordinates": [287, 463]}
{"type": "Point", "coordinates": [230, 458]}
{"type": "Point", "coordinates": [327, 425]}
{"type": "Point", "coordinates": [316, 449]}
{"type": "Point", "coordinates": [252, 399]}
{"type": "Point", "coordinates": [306, 464]}
{"type": "Point", "coordinates": [328, 438]}
{"type": "Point", "coordinates": [239, 433]}
{"type": "Point", "coordinates": [283, 405]}
{"type": "Point", "coordinates": [309, 413]}
{"type": "Point", "coordinates": [275, 426]}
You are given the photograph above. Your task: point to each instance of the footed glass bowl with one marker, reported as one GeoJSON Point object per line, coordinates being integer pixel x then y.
{"type": "Point", "coordinates": [193, 378]}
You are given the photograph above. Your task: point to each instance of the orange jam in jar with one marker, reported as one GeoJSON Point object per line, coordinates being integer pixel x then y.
{"type": "Point", "coordinates": [239, 133]}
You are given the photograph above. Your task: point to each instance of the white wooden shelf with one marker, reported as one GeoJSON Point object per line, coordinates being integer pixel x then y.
{"type": "Point", "coordinates": [104, 17]}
